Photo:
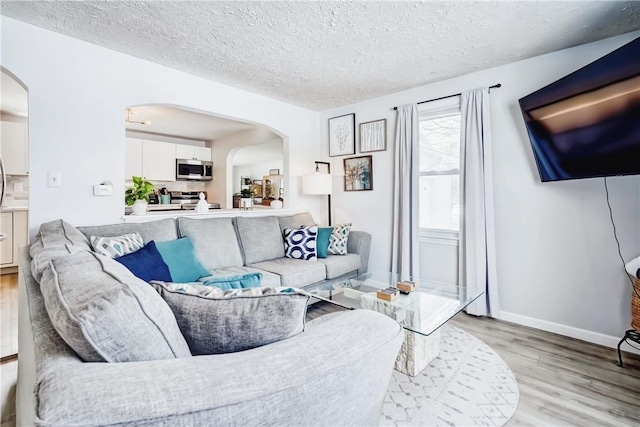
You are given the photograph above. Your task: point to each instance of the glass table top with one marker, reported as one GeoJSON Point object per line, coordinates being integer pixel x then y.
{"type": "Point", "coordinates": [423, 311]}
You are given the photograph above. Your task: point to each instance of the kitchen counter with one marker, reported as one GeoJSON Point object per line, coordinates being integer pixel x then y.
{"type": "Point", "coordinates": [213, 213]}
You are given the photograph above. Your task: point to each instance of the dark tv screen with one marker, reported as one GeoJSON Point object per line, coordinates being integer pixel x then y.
{"type": "Point", "coordinates": [587, 124]}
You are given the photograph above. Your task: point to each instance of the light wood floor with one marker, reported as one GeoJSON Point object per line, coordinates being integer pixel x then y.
{"type": "Point", "coordinates": [8, 347]}
{"type": "Point", "coordinates": [8, 314]}
{"type": "Point", "coordinates": [562, 381]}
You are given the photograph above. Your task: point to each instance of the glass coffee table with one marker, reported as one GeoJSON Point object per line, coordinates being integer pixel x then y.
{"type": "Point", "coordinates": [421, 312]}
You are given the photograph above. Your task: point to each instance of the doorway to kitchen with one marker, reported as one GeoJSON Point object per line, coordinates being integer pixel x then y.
{"type": "Point", "coordinates": [14, 203]}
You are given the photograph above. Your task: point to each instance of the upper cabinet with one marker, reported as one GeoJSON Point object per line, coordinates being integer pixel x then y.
{"type": "Point", "coordinates": [158, 160]}
{"type": "Point", "coordinates": [193, 152]}
{"type": "Point", "coordinates": [15, 148]}
{"type": "Point", "coordinates": [133, 159]}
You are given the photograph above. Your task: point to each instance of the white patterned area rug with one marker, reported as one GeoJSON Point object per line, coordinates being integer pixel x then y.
{"type": "Point", "coordinates": [468, 384]}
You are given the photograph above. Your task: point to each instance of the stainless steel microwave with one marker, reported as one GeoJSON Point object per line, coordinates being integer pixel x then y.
{"type": "Point", "coordinates": [194, 170]}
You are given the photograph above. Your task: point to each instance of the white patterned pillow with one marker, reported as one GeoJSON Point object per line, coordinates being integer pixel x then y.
{"type": "Point", "coordinates": [115, 247]}
{"type": "Point", "coordinates": [301, 243]}
{"type": "Point", "coordinates": [338, 239]}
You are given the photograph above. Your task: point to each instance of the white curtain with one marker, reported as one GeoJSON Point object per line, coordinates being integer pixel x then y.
{"type": "Point", "coordinates": [404, 256]}
{"type": "Point", "coordinates": [477, 264]}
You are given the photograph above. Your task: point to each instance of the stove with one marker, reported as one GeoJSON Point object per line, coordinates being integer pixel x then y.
{"type": "Point", "coordinates": [180, 200]}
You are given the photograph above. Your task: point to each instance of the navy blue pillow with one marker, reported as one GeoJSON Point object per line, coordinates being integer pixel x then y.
{"type": "Point", "coordinates": [147, 264]}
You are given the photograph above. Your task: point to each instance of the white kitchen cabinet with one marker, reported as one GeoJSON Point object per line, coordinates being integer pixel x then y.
{"type": "Point", "coordinates": [133, 158]}
{"type": "Point", "coordinates": [158, 160]}
{"type": "Point", "coordinates": [6, 246]}
{"type": "Point", "coordinates": [193, 152]}
{"type": "Point", "coordinates": [14, 225]}
{"type": "Point", "coordinates": [15, 148]}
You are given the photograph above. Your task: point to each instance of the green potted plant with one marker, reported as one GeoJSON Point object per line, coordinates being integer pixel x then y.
{"type": "Point", "coordinates": [138, 196]}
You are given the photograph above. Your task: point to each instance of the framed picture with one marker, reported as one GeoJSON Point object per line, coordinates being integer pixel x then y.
{"type": "Point", "coordinates": [342, 135]}
{"type": "Point", "coordinates": [373, 136]}
{"type": "Point", "coordinates": [245, 180]}
{"type": "Point", "coordinates": [274, 171]}
{"type": "Point", "coordinates": [257, 181]}
{"type": "Point", "coordinates": [358, 173]}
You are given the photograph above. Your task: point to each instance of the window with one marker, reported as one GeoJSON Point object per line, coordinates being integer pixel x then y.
{"type": "Point", "coordinates": [439, 186]}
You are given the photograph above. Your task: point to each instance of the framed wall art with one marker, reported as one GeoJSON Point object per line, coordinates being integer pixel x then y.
{"type": "Point", "coordinates": [358, 173]}
{"type": "Point", "coordinates": [373, 136]}
{"type": "Point", "coordinates": [342, 135]}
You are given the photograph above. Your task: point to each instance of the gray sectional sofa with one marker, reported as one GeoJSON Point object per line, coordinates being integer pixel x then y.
{"type": "Point", "coordinates": [336, 372]}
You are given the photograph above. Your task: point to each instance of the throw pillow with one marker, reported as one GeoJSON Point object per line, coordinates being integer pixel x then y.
{"type": "Point", "coordinates": [182, 261]}
{"type": "Point", "coordinates": [338, 239]}
{"type": "Point", "coordinates": [147, 264]}
{"type": "Point", "coordinates": [106, 314]}
{"type": "Point", "coordinates": [322, 242]}
{"type": "Point", "coordinates": [114, 247]}
{"type": "Point", "coordinates": [237, 320]}
{"type": "Point", "coordinates": [245, 281]}
{"type": "Point", "coordinates": [301, 243]}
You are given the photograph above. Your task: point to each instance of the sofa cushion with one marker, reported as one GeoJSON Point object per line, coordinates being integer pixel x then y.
{"type": "Point", "coordinates": [55, 239]}
{"type": "Point", "coordinates": [337, 265]}
{"type": "Point", "coordinates": [214, 321]}
{"type": "Point", "coordinates": [294, 272]}
{"type": "Point", "coordinates": [300, 243]}
{"type": "Point", "coordinates": [116, 246]}
{"type": "Point", "coordinates": [182, 260]}
{"type": "Point", "coordinates": [146, 264]}
{"type": "Point", "coordinates": [296, 221]}
{"type": "Point", "coordinates": [338, 240]}
{"type": "Point", "coordinates": [214, 240]}
{"type": "Point", "coordinates": [105, 313]}
{"type": "Point", "coordinates": [268, 279]}
{"type": "Point", "coordinates": [261, 238]}
{"type": "Point", "coordinates": [159, 231]}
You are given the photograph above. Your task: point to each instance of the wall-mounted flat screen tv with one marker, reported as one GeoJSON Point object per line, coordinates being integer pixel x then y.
{"type": "Point", "coordinates": [587, 124]}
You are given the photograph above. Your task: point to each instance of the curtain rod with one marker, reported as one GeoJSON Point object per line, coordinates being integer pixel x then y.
{"type": "Point", "coordinates": [450, 96]}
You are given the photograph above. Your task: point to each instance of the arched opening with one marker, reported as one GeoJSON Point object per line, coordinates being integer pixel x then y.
{"type": "Point", "coordinates": [172, 146]}
{"type": "Point", "coordinates": [14, 191]}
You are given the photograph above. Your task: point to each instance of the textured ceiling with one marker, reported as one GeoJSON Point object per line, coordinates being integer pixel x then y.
{"type": "Point", "coordinates": [322, 55]}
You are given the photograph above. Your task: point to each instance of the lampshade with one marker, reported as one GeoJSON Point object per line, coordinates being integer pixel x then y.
{"type": "Point", "coordinates": [317, 184]}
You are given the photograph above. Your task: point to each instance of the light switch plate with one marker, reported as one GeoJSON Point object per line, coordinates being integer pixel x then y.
{"type": "Point", "coordinates": [17, 186]}
{"type": "Point", "coordinates": [54, 179]}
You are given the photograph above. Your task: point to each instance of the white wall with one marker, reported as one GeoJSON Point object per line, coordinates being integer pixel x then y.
{"type": "Point", "coordinates": [77, 93]}
{"type": "Point", "coordinates": [558, 266]}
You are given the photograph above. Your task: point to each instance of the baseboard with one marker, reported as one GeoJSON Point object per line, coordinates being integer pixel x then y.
{"type": "Point", "coordinates": [8, 270]}
{"type": "Point", "coordinates": [569, 331]}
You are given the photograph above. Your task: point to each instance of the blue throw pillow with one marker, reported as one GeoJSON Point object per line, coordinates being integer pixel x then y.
{"type": "Point", "coordinates": [249, 280]}
{"type": "Point", "coordinates": [322, 241]}
{"type": "Point", "coordinates": [146, 263]}
{"type": "Point", "coordinates": [181, 258]}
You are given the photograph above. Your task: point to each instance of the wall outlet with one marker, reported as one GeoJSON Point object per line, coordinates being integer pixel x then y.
{"type": "Point", "coordinates": [17, 186]}
{"type": "Point", "coordinates": [54, 179]}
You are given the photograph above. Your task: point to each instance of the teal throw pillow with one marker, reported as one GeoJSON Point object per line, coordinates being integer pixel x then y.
{"type": "Point", "coordinates": [249, 280]}
{"type": "Point", "coordinates": [322, 241]}
{"type": "Point", "coordinates": [181, 258]}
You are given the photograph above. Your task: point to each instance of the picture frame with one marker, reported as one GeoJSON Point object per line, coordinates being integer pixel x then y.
{"type": "Point", "coordinates": [257, 181]}
{"type": "Point", "coordinates": [373, 136]}
{"type": "Point", "coordinates": [342, 135]}
{"type": "Point", "coordinates": [274, 171]}
{"type": "Point", "coordinates": [358, 173]}
{"type": "Point", "coordinates": [245, 180]}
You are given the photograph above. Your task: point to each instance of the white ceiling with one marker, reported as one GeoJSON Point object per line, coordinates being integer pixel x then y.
{"type": "Point", "coordinates": [259, 153]}
{"type": "Point", "coordinates": [182, 123]}
{"type": "Point", "coordinates": [13, 97]}
{"type": "Point", "coordinates": [323, 54]}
